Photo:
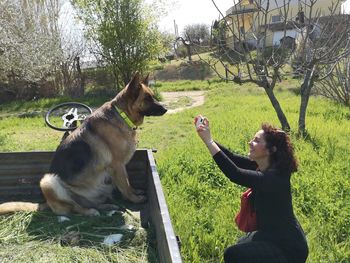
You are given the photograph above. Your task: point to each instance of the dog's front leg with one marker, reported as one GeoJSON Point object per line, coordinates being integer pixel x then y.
{"type": "Point", "coordinates": [120, 179]}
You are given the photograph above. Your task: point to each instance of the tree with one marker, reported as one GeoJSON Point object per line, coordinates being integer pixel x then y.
{"type": "Point", "coordinates": [73, 46]}
{"type": "Point", "coordinates": [167, 40]}
{"type": "Point", "coordinates": [323, 42]}
{"type": "Point", "coordinates": [197, 34]}
{"type": "Point", "coordinates": [336, 86]}
{"type": "Point", "coordinates": [122, 33]}
{"type": "Point", "coordinates": [40, 54]}
{"type": "Point", "coordinates": [193, 36]}
{"type": "Point", "coordinates": [218, 34]}
{"type": "Point", "coordinates": [246, 56]}
{"type": "Point", "coordinates": [185, 43]}
{"type": "Point", "coordinates": [249, 57]}
{"type": "Point", "coordinates": [29, 43]}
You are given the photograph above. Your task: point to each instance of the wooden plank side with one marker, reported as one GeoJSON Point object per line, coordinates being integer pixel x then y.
{"type": "Point", "coordinates": [168, 249]}
{"type": "Point", "coordinates": [18, 181]}
{"type": "Point", "coordinates": [22, 193]}
{"type": "Point", "coordinates": [23, 170]}
{"type": "Point", "coordinates": [20, 173]}
{"type": "Point", "coordinates": [24, 157]}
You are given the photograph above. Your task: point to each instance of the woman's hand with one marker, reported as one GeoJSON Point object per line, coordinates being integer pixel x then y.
{"type": "Point", "coordinates": [203, 129]}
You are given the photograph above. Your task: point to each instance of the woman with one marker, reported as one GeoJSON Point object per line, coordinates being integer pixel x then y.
{"type": "Point", "coordinates": [279, 237]}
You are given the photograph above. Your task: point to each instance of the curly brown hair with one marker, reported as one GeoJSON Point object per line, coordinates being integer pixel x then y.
{"type": "Point", "coordinates": [280, 147]}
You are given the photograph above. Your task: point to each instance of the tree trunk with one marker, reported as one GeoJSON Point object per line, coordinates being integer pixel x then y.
{"type": "Point", "coordinates": [66, 78]}
{"type": "Point", "coordinates": [188, 47]}
{"type": "Point", "coordinates": [189, 52]}
{"type": "Point", "coordinates": [304, 100]}
{"type": "Point", "coordinates": [80, 79]}
{"type": "Point", "coordinates": [116, 78]}
{"type": "Point", "coordinates": [276, 105]}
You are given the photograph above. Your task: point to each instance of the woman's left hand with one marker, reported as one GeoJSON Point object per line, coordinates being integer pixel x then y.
{"type": "Point", "coordinates": [203, 129]}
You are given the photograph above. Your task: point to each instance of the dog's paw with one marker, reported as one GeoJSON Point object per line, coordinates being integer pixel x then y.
{"type": "Point", "coordinates": [92, 212]}
{"type": "Point", "coordinates": [138, 199]}
{"type": "Point", "coordinates": [108, 207]}
{"type": "Point", "coordinates": [139, 192]}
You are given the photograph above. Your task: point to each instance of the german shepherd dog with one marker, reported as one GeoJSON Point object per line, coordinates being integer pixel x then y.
{"type": "Point", "coordinates": [91, 160]}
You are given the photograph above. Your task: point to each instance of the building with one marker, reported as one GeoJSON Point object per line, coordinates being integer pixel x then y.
{"type": "Point", "coordinates": [265, 23]}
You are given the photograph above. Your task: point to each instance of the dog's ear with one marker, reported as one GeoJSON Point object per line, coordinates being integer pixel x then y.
{"type": "Point", "coordinates": [135, 80]}
{"type": "Point", "coordinates": [145, 81]}
{"type": "Point", "coordinates": [134, 85]}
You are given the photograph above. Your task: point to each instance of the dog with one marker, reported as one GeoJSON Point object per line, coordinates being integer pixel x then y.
{"type": "Point", "coordinates": [92, 159]}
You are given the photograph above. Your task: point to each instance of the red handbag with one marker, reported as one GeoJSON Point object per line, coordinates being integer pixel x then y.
{"type": "Point", "coordinates": [246, 217]}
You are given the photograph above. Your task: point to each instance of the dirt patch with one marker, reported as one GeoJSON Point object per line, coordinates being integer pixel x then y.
{"type": "Point", "coordinates": [180, 100]}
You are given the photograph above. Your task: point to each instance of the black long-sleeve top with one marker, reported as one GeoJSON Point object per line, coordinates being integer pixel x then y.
{"type": "Point", "coordinates": [272, 201]}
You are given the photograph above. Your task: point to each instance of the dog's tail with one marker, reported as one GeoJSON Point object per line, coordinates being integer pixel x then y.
{"type": "Point", "coordinates": [11, 207]}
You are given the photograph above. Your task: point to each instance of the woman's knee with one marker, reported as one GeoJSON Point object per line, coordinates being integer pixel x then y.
{"type": "Point", "coordinates": [230, 254]}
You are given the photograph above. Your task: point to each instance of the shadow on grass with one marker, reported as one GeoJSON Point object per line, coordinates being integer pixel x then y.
{"type": "Point", "coordinates": [90, 232]}
{"type": "Point", "coordinates": [307, 137]}
{"type": "Point", "coordinates": [2, 139]}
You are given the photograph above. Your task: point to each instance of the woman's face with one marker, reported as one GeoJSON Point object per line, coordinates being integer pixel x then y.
{"type": "Point", "coordinates": [257, 147]}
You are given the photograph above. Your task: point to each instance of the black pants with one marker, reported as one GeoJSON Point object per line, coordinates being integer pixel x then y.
{"type": "Point", "coordinates": [249, 251]}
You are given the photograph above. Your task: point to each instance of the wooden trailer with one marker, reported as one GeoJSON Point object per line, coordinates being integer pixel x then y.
{"type": "Point", "coordinates": [20, 173]}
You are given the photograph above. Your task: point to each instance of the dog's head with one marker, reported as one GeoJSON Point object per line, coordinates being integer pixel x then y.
{"type": "Point", "coordinates": [139, 100]}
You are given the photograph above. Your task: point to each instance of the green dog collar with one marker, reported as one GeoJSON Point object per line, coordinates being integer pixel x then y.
{"type": "Point", "coordinates": [125, 118]}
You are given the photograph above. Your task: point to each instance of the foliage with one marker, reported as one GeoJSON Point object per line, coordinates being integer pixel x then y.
{"type": "Point", "coordinates": [29, 44]}
{"type": "Point", "coordinates": [218, 34]}
{"type": "Point", "coordinates": [197, 33]}
{"type": "Point", "coordinates": [29, 47]}
{"type": "Point", "coordinates": [40, 54]}
{"type": "Point", "coordinates": [167, 42]}
{"type": "Point", "coordinates": [193, 70]}
{"type": "Point", "coordinates": [123, 34]}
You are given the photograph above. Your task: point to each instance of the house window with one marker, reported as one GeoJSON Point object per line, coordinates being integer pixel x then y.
{"type": "Point", "coordinates": [276, 19]}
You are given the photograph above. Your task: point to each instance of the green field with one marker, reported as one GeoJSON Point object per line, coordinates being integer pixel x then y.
{"type": "Point", "coordinates": [202, 202]}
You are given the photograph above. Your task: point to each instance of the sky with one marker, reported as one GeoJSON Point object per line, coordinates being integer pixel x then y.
{"type": "Point", "coordinates": [187, 12]}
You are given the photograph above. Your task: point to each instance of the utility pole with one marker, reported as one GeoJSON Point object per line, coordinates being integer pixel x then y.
{"type": "Point", "coordinates": [176, 29]}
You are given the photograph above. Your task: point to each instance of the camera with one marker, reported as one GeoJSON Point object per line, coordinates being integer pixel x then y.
{"type": "Point", "coordinates": [199, 121]}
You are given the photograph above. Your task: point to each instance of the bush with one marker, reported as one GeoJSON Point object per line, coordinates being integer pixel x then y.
{"type": "Point", "coordinates": [195, 70]}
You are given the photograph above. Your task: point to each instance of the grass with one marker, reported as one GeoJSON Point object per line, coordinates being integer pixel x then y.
{"type": "Point", "coordinates": [190, 85]}
{"type": "Point", "coordinates": [201, 201]}
{"type": "Point", "coordinates": [76, 239]}
{"type": "Point", "coordinates": [24, 238]}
